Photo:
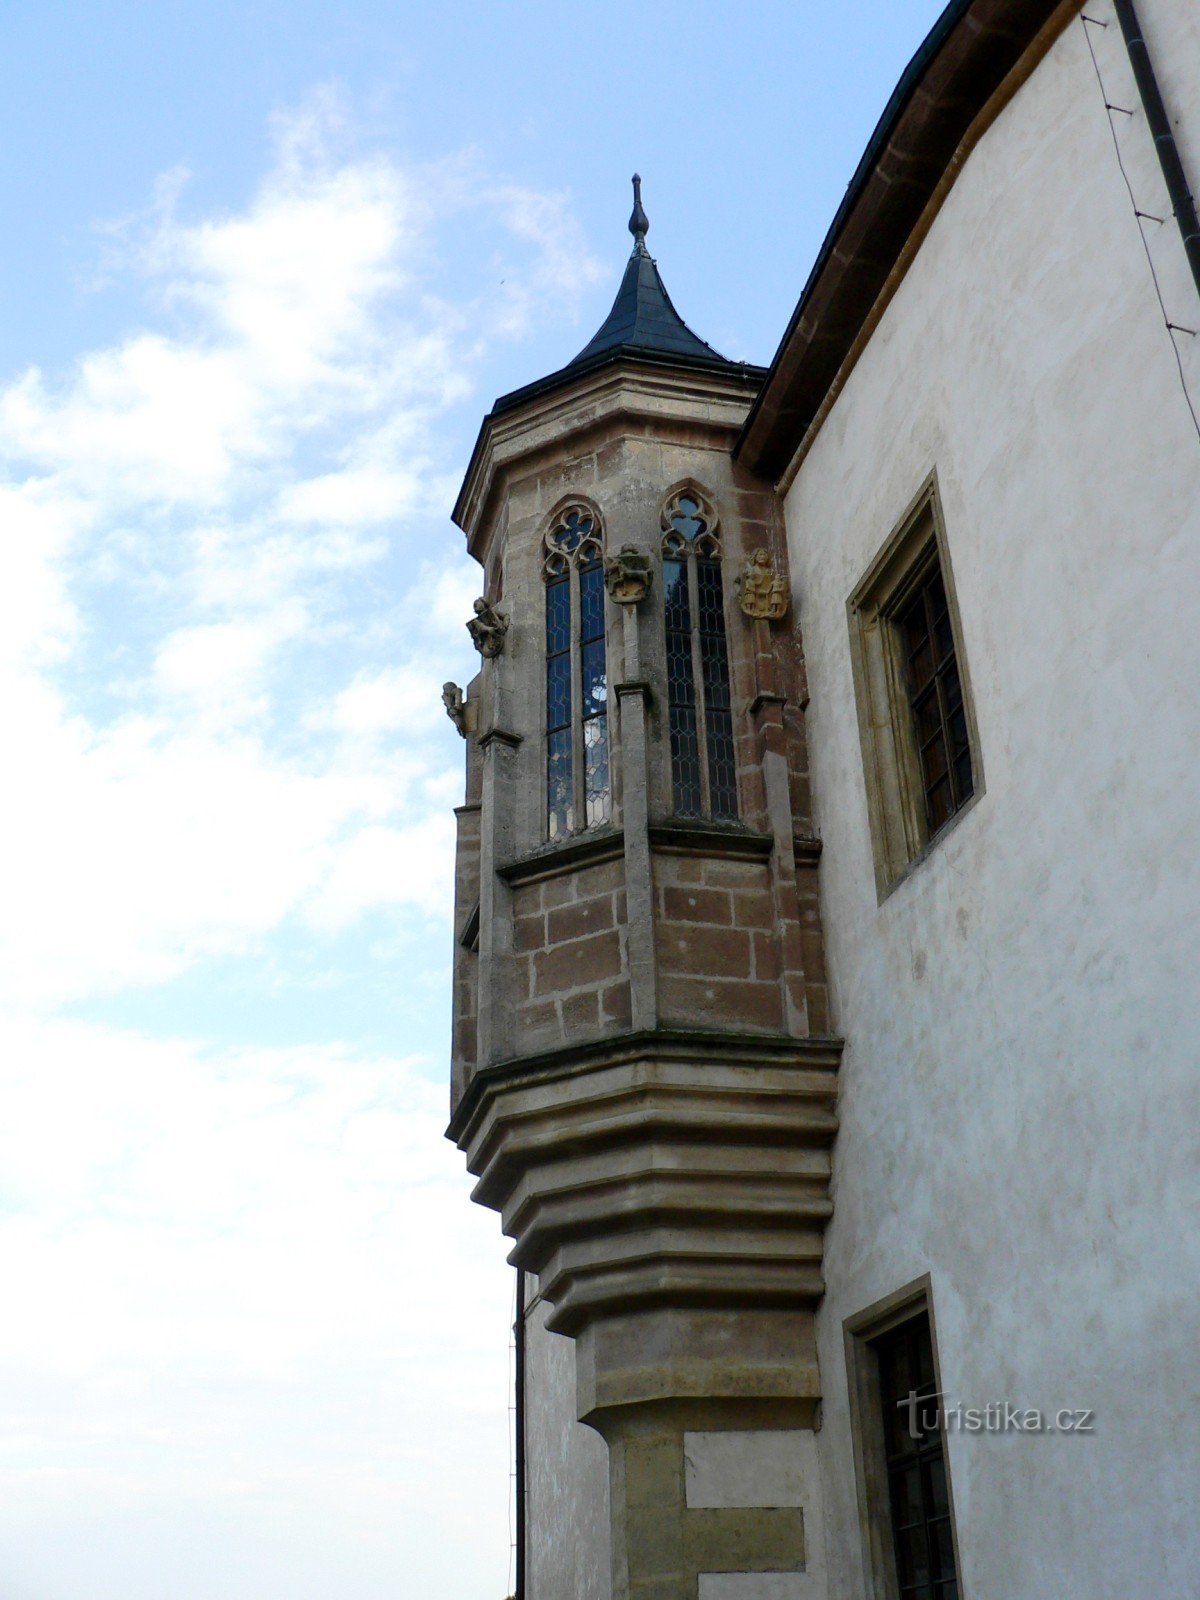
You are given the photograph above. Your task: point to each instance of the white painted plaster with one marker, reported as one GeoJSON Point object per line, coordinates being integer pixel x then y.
{"type": "Point", "coordinates": [743, 1469]}
{"type": "Point", "coordinates": [757, 1586]}
{"type": "Point", "coordinates": [1020, 1113]}
{"type": "Point", "coordinates": [568, 1513]}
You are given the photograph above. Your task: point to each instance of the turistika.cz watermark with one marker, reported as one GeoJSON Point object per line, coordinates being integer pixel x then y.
{"type": "Point", "coordinates": [928, 1411]}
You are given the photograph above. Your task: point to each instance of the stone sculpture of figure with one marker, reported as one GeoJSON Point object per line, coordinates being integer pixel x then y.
{"type": "Point", "coordinates": [456, 706]}
{"type": "Point", "coordinates": [763, 592]}
{"type": "Point", "coordinates": [627, 575]}
{"type": "Point", "coordinates": [487, 629]}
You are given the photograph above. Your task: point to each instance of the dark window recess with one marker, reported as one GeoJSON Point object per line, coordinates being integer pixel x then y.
{"type": "Point", "coordinates": [718, 718]}
{"type": "Point", "coordinates": [594, 693]}
{"type": "Point", "coordinates": [703, 758]}
{"type": "Point", "coordinates": [681, 692]}
{"type": "Point", "coordinates": [578, 777]}
{"type": "Point", "coordinates": [936, 697]}
{"type": "Point", "coordinates": [559, 797]}
{"type": "Point", "coordinates": [916, 1464]}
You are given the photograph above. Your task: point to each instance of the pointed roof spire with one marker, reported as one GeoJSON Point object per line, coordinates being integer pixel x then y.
{"type": "Point", "coordinates": [639, 222]}
{"type": "Point", "coordinates": [642, 319]}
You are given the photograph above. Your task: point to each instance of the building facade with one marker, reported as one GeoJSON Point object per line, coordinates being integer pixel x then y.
{"type": "Point", "coordinates": [826, 1014]}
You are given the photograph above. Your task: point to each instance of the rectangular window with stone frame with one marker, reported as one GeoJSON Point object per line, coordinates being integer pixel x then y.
{"type": "Point", "coordinates": [916, 720]}
{"type": "Point", "coordinates": [905, 1501]}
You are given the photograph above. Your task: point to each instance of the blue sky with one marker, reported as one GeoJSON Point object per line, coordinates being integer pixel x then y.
{"type": "Point", "coordinates": [266, 267]}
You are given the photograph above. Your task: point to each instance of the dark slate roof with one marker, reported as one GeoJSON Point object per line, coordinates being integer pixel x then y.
{"type": "Point", "coordinates": [643, 325]}
{"type": "Point", "coordinates": [643, 318]}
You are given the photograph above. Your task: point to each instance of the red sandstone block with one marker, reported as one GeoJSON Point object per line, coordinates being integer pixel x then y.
{"type": "Point", "coordinates": [721, 952]}
{"type": "Point", "coordinates": [697, 905]}
{"type": "Point", "coordinates": [755, 1007]}
{"type": "Point", "coordinates": [558, 891]}
{"type": "Point", "coordinates": [581, 1011]}
{"type": "Point", "coordinates": [766, 956]}
{"type": "Point", "coordinates": [529, 933]}
{"type": "Point", "coordinates": [577, 965]}
{"type": "Point", "coordinates": [735, 874]}
{"type": "Point", "coordinates": [615, 1006]}
{"type": "Point", "coordinates": [578, 920]}
{"type": "Point", "coordinates": [753, 908]}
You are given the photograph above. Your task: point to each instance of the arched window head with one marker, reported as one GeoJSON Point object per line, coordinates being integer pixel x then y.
{"type": "Point", "coordinates": [703, 758]}
{"type": "Point", "coordinates": [578, 782]}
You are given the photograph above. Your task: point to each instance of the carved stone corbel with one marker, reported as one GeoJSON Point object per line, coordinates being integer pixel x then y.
{"type": "Point", "coordinates": [628, 575]}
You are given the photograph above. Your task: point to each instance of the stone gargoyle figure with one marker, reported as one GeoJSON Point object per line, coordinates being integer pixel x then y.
{"type": "Point", "coordinates": [487, 629]}
{"type": "Point", "coordinates": [456, 706]}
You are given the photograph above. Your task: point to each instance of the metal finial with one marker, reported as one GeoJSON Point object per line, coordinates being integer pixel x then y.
{"type": "Point", "coordinates": [639, 222]}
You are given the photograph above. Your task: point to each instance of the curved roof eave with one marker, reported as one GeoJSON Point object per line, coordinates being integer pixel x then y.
{"type": "Point", "coordinates": [965, 59]}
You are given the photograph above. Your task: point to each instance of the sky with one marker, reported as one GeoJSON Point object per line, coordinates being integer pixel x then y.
{"type": "Point", "coordinates": [266, 266]}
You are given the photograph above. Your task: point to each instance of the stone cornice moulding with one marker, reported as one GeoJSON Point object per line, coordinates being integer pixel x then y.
{"type": "Point", "coordinates": [678, 1044]}
{"type": "Point", "coordinates": [602, 403]}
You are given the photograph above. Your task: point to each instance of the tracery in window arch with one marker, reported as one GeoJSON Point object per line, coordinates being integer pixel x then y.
{"type": "Point", "coordinates": [703, 757]}
{"type": "Point", "coordinates": [578, 779]}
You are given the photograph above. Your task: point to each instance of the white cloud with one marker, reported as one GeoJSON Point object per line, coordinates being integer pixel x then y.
{"type": "Point", "coordinates": [254, 1339]}
{"type": "Point", "coordinates": [222, 1302]}
{"type": "Point", "coordinates": [230, 736]}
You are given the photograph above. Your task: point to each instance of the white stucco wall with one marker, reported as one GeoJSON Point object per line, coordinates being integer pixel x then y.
{"type": "Point", "coordinates": [567, 1475]}
{"type": "Point", "coordinates": [1021, 1088]}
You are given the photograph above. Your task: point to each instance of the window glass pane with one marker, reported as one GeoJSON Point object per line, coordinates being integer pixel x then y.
{"type": "Point", "coordinates": [936, 698]}
{"type": "Point", "coordinates": [559, 804]}
{"type": "Point", "coordinates": [591, 601]}
{"type": "Point", "coordinates": [685, 762]}
{"type": "Point", "coordinates": [597, 789]}
{"type": "Point", "coordinates": [558, 692]}
{"type": "Point", "coordinates": [718, 721]}
{"type": "Point", "coordinates": [558, 616]}
{"type": "Point", "coordinates": [681, 692]}
{"type": "Point", "coordinates": [912, 1556]}
{"type": "Point", "coordinates": [941, 1549]}
{"type": "Point", "coordinates": [688, 521]}
{"type": "Point", "coordinates": [917, 1487]}
{"type": "Point", "coordinates": [594, 679]}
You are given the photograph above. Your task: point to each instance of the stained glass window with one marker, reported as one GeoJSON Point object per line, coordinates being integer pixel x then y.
{"type": "Point", "coordinates": [703, 756]}
{"type": "Point", "coordinates": [578, 779]}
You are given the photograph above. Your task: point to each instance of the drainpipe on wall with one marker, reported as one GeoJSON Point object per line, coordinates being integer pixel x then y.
{"type": "Point", "coordinates": [519, 1435]}
{"type": "Point", "coordinates": [1182, 203]}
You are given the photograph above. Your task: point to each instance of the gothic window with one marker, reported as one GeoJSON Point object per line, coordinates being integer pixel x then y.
{"type": "Point", "coordinates": [578, 785]}
{"type": "Point", "coordinates": [703, 762]}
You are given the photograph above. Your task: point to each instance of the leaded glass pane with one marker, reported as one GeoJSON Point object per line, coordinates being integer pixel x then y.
{"type": "Point", "coordinates": [596, 785]}
{"type": "Point", "coordinates": [591, 601]}
{"type": "Point", "coordinates": [681, 692]}
{"type": "Point", "coordinates": [558, 616]}
{"type": "Point", "coordinates": [558, 693]}
{"type": "Point", "coordinates": [594, 679]}
{"type": "Point", "coordinates": [688, 520]}
{"type": "Point", "coordinates": [714, 665]}
{"type": "Point", "coordinates": [559, 783]}
{"type": "Point", "coordinates": [572, 530]}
